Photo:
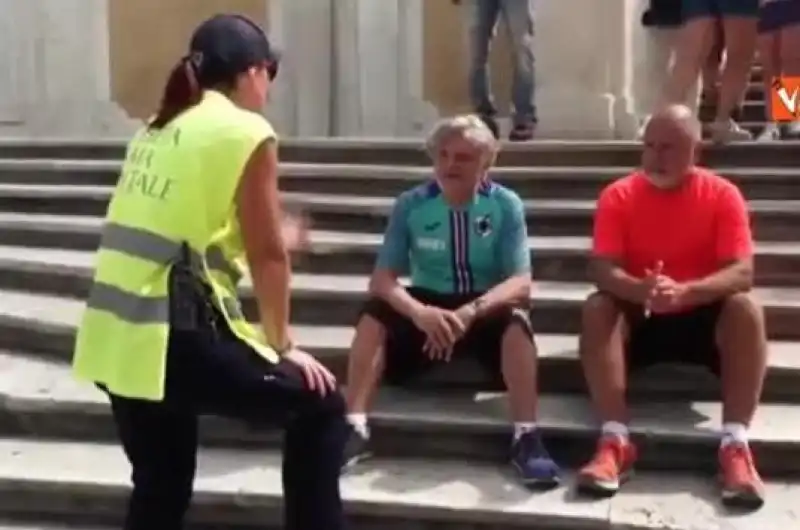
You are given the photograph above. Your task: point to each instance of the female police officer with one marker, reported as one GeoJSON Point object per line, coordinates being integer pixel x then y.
{"type": "Point", "coordinates": [163, 333]}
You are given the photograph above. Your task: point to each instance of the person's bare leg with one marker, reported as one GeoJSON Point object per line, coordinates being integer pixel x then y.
{"type": "Point", "coordinates": [742, 344]}
{"type": "Point", "coordinates": [712, 68]}
{"type": "Point", "coordinates": [518, 362]}
{"type": "Point", "coordinates": [365, 365]}
{"type": "Point", "coordinates": [740, 40]}
{"type": "Point", "coordinates": [789, 46]}
{"type": "Point", "coordinates": [659, 45]}
{"type": "Point", "coordinates": [705, 99]}
{"type": "Point", "coordinates": [694, 41]}
{"type": "Point", "coordinates": [602, 353]}
{"type": "Point", "coordinates": [769, 54]}
{"type": "Point", "coordinates": [364, 370]}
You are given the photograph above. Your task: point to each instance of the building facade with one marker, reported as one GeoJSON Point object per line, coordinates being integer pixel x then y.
{"type": "Point", "coordinates": [386, 68]}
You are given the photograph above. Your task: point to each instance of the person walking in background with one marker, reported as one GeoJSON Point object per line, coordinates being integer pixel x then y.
{"type": "Point", "coordinates": [709, 80]}
{"type": "Point", "coordinates": [695, 42]}
{"type": "Point", "coordinates": [712, 70]}
{"type": "Point", "coordinates": [484, 16]}
{"type": "Point", "coordinates": [662, 21]}
{"type": "Point", "coordinates": [779, 51]}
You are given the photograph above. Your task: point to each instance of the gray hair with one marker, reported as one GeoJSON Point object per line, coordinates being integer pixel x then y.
{"type": "Point", "coordinates": [467, 126]}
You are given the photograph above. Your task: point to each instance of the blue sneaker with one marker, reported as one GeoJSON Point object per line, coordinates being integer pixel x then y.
{"type": "Point", "coordinates": [533, 463]}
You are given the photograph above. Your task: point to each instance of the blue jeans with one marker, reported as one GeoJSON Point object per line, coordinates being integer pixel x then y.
{"type": "Point", "coordinates": [483, 19]}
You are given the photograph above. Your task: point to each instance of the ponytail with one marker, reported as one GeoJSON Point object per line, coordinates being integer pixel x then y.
{"type": "Point", "coordinates": [181, 92]}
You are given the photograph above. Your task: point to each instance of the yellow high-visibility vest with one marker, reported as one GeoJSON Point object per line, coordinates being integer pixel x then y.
{"type": "Point", "coordinates": [178, 184]}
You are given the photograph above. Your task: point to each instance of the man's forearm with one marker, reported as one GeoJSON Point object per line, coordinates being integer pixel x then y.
{"type": "Point", "coordinates": [735, 278]}
{"type": "Point", "coordinates": [515, 291]}
{"type": "Point", "coordinates": [396, 296]}
{"type": "Point", "coordinates": [612, 279]}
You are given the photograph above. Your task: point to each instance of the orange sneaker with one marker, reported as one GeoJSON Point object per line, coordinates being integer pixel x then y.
{"type": "Point", "coordinates": [741, 484]}
{"type": "Point", "coordinates": [611, 466]}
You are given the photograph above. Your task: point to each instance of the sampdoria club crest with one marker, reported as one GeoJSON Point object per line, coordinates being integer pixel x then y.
{"type": "Point", "coordinates": [483, 225]}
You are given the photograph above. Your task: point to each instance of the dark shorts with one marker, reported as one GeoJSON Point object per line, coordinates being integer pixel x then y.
{"type": "Point", "coordinates": [688, 337]}
{"type": "Point", "coordinates": [405, 358]}
{"type": "Point", "coordinates": [692, 9]}
{"type": "Point", "coordinates": [778, 15]}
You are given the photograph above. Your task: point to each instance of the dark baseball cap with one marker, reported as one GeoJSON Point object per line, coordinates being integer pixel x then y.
{"type": "Point", "coordinates": [226, 45]}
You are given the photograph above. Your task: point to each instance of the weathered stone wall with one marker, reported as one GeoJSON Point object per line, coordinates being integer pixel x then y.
{"type": "Point", "coordinates": [352, 67]}
{"type": "Point", "coordinates": [146, 37]}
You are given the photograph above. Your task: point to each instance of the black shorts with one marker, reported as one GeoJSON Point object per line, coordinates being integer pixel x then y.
{"type": "Point", "coordinates": [405, 358]}
{"type": "Point", "coordinates": [778, 15]}
{"type": "Point", "coordinates": [692, 9]}
{"type": "Point", "coordinates": [688, 337]}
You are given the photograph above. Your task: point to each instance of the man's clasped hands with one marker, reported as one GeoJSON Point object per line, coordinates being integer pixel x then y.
{"type": "Point", "coordinates": [662, 293]}
{"type": "Point", "coordinates": [444, 328]}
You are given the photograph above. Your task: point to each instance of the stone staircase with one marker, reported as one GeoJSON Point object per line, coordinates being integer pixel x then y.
{"type": "Point", "coordinates": [441, 447]}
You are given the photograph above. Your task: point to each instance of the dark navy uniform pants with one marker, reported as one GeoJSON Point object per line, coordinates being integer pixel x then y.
{"type": "Point", "coordinates": [209, 374]}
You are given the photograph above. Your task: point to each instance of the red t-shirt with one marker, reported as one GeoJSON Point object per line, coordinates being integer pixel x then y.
{"type": "Point", "coordinates": [694, 230]}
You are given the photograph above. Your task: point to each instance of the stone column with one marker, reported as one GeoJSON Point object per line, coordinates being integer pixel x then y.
{"type": "Point", "coordinates": [620, 25]}
{"type": "Point", "coordinates": [347, 111]}
{"type": "Point", "coordinates": [583, 53]}
{"type": "Point", "coordinates": [281, 107]}
{"type": "Point", "coordinates": [415, 114]}
{"type": "Point", "coordinates": [16, 68]}
{"type": "Point", "coordinates": [366, 53]}
{"type": "Point", "coordinates": [378, 83]}
{"type": "Point", "coordinates": [68, 81]}
{"type": "Point", "coordinates": [301, 102]}
{"type": "Point", "coordinates": [648, 81]}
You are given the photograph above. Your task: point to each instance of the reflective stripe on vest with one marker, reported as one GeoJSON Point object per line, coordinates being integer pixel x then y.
{"type": "Point", "coordinates": [155, 248]}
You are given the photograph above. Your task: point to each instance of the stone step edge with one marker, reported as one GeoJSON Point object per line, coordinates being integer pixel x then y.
{"type": "Point", "coordinates": [424, 491]}
{"type": "Point", "coordinates": [313, 294]}
{"type": "Point", "coordinates": [348, 208]}
{"type": "Point", "coordinates": [244, 487]}
{"type": "Point", "coordinates": [553, 348]}
{"type": "Point", "coordinates": [358, 205]}
{"type": "Point", "coordinates": [400, 144]}
{"type": "Point", "coordinates": [559, 366]}
{"type": "Point", "coordinates": [553, 345]}
{"type": "Point", "coordinates": [33, 392]}
{"type": "Point", "coordinates": [349, 287]}
{"type": "Point", "coordinates": [323, 242]}
{"type": "Point", "coordinates": [341, 171]}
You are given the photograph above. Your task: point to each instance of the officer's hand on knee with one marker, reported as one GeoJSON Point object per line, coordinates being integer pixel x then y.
{"type": "Point", "coordinates": [318, 378]}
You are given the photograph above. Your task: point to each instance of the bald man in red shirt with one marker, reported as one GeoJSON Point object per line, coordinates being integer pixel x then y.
{"type": "Point", "coordinates": [673, 265]}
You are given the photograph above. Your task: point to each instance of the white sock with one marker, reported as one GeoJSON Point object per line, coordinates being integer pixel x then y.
{"type": "Point", "coordinates": [734, 433]}
{"type": "Point", "coordinates": [615, 428]}
{"type": "Point", "coordinates": [359, 423]}
{"type": "Point", "coordinates": [522, 427]}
